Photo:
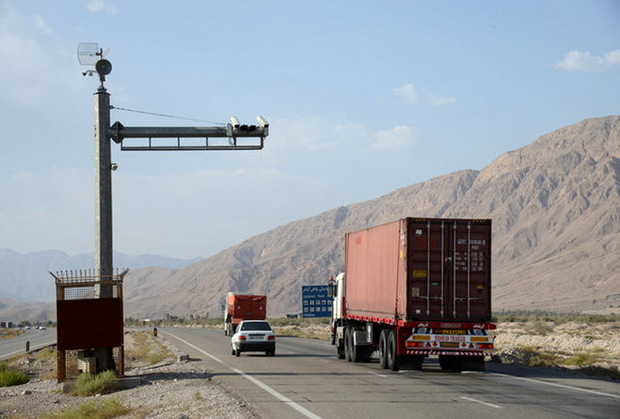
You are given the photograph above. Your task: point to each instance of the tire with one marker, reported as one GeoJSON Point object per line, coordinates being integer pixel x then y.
{"type": "Point", "coordinates": [348, 340]}
{"type": "Point", "coordinates": [447, 362]}
{"type": "Point", "coordinates": [238, 352]}
{"type": "Point", "coordinates": [472, 363]}
{"type": "Point", "coordinates": [392, 357]}
{"type": "Point", "coordinates": [357, 353]}
{"type": "Point", "coordinates": [383, 349]}
{"type": "Point", "coordinates": [340, 350]}
{"type": "Point", "coordinates": [416, 361]}
{"type": "Point", "coordinates": [233, 351]}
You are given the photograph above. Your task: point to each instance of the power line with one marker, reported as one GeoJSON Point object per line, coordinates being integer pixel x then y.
{"type": "Point", "coordinates": [164, 115]}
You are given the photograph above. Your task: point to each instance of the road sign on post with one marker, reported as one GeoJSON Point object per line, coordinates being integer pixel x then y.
{"type": "Point", "coordinates": [315, 301]}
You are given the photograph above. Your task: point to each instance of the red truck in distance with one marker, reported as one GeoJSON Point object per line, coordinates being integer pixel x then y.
{"type": "Point", "coordinates": [243, 306]}
{"type": "Point", "coordinates": [415, 288]}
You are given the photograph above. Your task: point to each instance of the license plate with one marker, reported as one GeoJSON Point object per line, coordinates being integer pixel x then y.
{"type": "Point", "coordinates": [449, 344]}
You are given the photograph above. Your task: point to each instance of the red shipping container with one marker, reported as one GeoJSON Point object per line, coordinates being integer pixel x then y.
{"type": "Point", "coordinates": [420, 269]}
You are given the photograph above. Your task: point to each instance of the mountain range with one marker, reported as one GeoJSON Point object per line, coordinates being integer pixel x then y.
{"type": "Point", "coordinates": [555, 206]}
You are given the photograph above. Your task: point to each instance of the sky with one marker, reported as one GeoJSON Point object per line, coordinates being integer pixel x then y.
{"type": "Point", "coordinates": [363, 98]}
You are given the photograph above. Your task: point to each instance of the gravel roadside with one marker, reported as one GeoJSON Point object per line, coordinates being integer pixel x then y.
{"type": "Point", "coordinates": [172, 389]}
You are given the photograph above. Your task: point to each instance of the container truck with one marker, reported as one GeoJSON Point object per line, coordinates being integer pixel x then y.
{"type": "Point", "coordinates": [415, 288]}
{"type": "Point", "coordinates": [242, 306]}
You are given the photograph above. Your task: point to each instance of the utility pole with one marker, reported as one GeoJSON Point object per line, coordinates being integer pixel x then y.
{"type": "Point", "coordinates": [233, 136]}
{"type": "Point", "coordinates": [103, 190]}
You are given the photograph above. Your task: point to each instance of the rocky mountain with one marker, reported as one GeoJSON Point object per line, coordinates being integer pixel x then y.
{"type": "Point", "coordinates": [555, 205]}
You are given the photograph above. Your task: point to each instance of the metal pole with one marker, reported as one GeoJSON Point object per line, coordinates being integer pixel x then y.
{"type": "Point", "coordinates": [103, 215]}
{"type": "Point", "coordinates": [103, 190]}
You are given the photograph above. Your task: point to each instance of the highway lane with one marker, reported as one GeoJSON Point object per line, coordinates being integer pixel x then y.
{"type": "Point", "coordinates": [17, 345]}
{"type": "Point", "coordinates": [305, 379]}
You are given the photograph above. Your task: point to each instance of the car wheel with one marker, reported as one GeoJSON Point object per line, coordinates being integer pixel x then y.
{"type": "Point", "coordinates": [233, 351]}
{"type": "Point", "coordinates": [238, 352]}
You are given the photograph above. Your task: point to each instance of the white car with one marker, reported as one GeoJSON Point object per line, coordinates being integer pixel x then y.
{"type": "Point", "coordinates": [254, 336]}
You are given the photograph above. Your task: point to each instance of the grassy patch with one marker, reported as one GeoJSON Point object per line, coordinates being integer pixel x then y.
{"type": "Point", "coordinates": [10, 333]}
{"type": "Point", "coordinates": [147, 349]}
{"type": "Point", "coordinates": [10, 377]}
{"type": "Point", "coordinates": [90, 385]}
{"type": "Point", "coordinates": [304, 328]}
{"type": "Point", "coordinates": [524, 316]}
{"type": "Point", "coordinates": [95, 409]}
{"type": "Point", "coordinates": [581, 360]}
{"type": "Point", "coordinates": [539, 327]}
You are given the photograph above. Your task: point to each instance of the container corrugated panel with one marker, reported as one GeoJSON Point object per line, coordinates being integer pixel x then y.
{"type": "Point", "coordinates": [449, 269]}
{"type": "Point", "coordinates": [420, 269]}
{"type": "Point", "coordinates": [374, 272]}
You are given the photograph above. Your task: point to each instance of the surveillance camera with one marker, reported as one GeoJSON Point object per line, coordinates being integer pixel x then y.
{"type": "Point", "coordinates": [234, 121]}
{"type": "Point", "coordinates": [114, 166]}
{"type": "Point", "coordinates": [262, 121]}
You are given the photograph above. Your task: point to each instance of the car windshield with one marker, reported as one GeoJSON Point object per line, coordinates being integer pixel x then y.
{"type": "Point", "coordinates": [255, 326]}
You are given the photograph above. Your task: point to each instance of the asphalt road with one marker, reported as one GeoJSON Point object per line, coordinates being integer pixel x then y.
{"type": "Point", "coordinates": [305, 379]}
{"type": "Point", "coordinates": [17, 345]}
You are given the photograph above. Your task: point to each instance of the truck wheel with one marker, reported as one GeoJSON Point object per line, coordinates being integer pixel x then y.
{"type": "Point", "coordinates": [383, 349]}
{"type": "Point", "coordinates": [348, 340]}
{"type": "Point", "coordinates": [392, 356]}
{"type": "Point", "coordinates": [340, 349]}
{"type": "Point", "coordinates": [416, 362]}
{"type": "Point", "coordinates": [238, 352]}
{"type": "Point", "coordinates": [472, 363]}
{"type": "Point", "coordinates": [447, 362]}
{"type": "Point", "coordinates": [356, 351]}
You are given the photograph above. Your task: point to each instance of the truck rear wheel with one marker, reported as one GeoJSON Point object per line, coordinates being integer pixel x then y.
{"type": "Point", "coordinates": [472, 363]}
{"type": "Point", "coordinates": [340, 349]}
{"type": "Point", "coordinates": [383, 349]}
{"type": "Point", "coordinates": [348, 340]}
{"type": "Point", "coordinates": [392, 356]}
{"type": "Point", "coordinates": [448, 362]}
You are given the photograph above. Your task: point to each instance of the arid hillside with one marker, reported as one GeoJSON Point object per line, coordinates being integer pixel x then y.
{"type": "Point", "coordinates": [555, 206]}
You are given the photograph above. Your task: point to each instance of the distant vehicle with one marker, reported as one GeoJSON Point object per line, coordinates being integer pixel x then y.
{"type": "Point", "coordinates": [254, 336]}
{"type": "Point", "coordinates": [42, 328]}
{"type": "Point", "coordinates": [27, 328]}
{"type": "Point", "coordinates": [240, 306]}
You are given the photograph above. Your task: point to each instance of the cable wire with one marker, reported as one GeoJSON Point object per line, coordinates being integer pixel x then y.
{"type": "Point", "coordinates": [164, 115]}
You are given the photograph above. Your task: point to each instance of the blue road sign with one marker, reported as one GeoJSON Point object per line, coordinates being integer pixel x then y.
{"type": "Point", "coordinates": [315, 301]}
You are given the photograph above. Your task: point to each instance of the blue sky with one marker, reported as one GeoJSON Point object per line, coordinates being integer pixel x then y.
{"type": "Point", "coordinates": [363, 97]}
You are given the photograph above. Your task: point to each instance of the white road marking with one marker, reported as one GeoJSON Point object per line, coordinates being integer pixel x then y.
{"type": "Point", "coordinates": [599, 393]}
{"type": "Point", "coordinates": [378, 375]}
{"type": "Point", "coordinates": [481, 402]}
{"type": "Point", "coordinates": [262, 385]}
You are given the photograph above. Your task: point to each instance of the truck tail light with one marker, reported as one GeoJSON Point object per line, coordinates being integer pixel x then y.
{"type": "Point", "coordinates": [411, 344]}
{"type": "Point", "coordinates": [242, 337]}
{"type": "Point", "coordinates": [271, 337]}
{"type": "Point", "coordinates": [485, 346]}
